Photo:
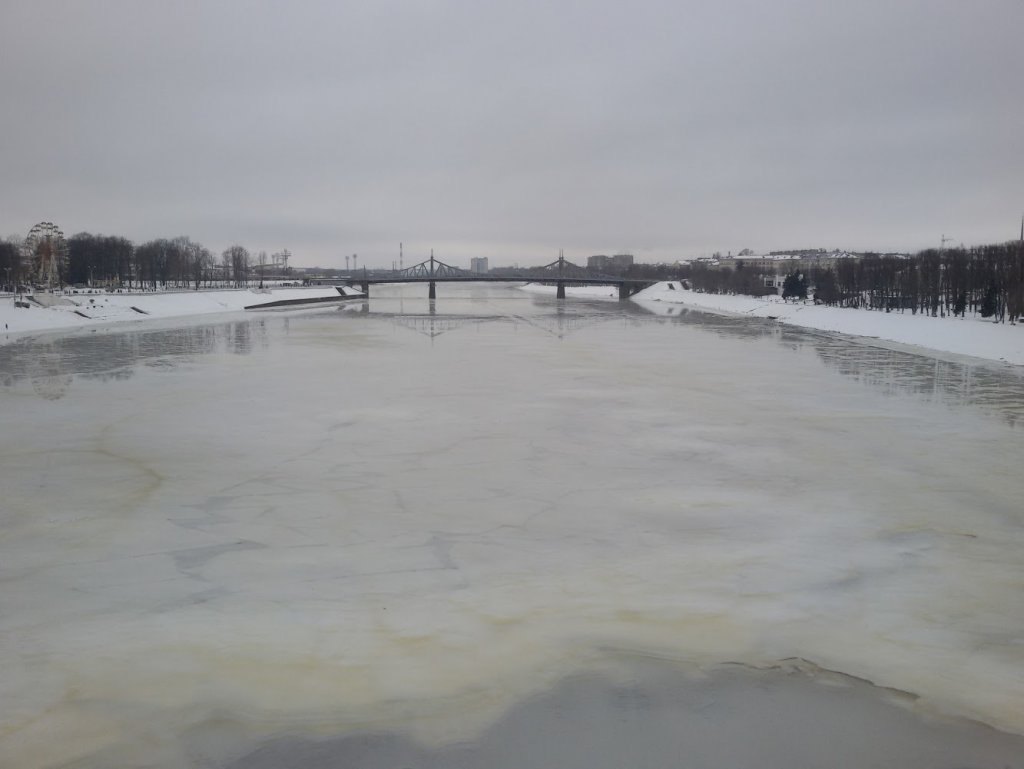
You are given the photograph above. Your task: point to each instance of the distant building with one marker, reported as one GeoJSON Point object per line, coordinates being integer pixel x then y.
{"type": "Point", "coordinates": [617, 263]}
{"type": "Point", "coordinates": [478, 264]}
{"type": "Point", "coordinates": [784, 262]}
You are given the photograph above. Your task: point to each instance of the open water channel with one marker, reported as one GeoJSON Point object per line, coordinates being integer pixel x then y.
{"type": "Point", "coordinates": [506, 531]}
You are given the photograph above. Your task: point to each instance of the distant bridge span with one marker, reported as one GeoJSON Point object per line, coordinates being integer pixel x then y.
{"type": "Point", "coordinates": [560, 272]}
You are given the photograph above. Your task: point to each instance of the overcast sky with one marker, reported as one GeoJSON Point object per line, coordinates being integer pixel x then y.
{"type": "Point", "coordinates": [515, 129]}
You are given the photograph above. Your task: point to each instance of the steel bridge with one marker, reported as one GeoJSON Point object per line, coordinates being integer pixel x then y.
{"type": "Point", "coordinates": [560, 272]}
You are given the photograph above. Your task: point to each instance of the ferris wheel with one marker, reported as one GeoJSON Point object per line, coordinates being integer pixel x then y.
{"type": "Point", "coordinates": [46, 253]}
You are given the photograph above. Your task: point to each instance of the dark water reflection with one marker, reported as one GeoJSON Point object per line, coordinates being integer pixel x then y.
{"type": "Point", "coordinates": [51, 365]}
{"type": "Point", "coordinates": [992, 387]}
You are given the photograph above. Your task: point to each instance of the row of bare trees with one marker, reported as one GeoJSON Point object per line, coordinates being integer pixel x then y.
{"type": "Point", "coordinates": [983, 280]}
{"type": "Point", "coordinates": [104, 260]}
{"type": "Point", "coordinates": [10, 263]}
{"type": "Point", "coordinates": [741, 280]}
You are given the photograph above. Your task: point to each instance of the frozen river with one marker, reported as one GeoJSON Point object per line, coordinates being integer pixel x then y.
{"type": "Point", "coordinates": [271, 532]}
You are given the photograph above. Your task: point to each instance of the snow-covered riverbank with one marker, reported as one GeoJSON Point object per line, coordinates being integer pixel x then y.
{"type": "Point", "coordinates": [80, 310]}
{"type": "Point", "coordinates": [962, 336]}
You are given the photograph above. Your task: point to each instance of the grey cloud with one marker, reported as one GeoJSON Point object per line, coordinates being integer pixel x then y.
{"type": "Point", "coordinates": [668, 128]}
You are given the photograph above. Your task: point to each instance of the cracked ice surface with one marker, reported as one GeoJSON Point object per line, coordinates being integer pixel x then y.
{"type": "Point", "coordinates": [314, 522]}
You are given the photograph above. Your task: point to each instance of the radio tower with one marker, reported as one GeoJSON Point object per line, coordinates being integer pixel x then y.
{"type": "Point", "coordinates": [402, 266]}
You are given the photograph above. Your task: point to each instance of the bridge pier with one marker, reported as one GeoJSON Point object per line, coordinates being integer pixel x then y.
{"type": "Point", "coordinates": [366, 289]}
{"type": "Point", "coordinates": [560, 290]}
{"type": "Point", "coordinates": [623, 292]}
{"type": "Point", "coordinates": [433, 290]}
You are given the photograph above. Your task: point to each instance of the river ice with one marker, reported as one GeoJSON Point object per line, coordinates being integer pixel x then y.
{"type": "Point", "coordinates": [379, 517]}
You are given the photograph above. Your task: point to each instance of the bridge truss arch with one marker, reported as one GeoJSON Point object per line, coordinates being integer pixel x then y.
{"type": "Point", "coordinates": [433, 268]}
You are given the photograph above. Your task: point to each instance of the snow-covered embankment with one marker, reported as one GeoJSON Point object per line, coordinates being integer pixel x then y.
{"type": "Point", "coordinates": [962, 336]}
{"type": "Point", "coordinates": [80, 310]}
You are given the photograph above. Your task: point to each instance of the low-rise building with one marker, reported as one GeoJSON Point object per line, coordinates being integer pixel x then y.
{"type": "Point", "coordinates": [616, 263]}
{"type": "Point", "coordinates": [781, 263]}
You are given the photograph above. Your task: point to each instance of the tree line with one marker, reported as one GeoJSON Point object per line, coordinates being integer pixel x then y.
{"type": "Point", "coordinates": [106, 260]}
{"type": "Point", "coordinates": [983, 280]}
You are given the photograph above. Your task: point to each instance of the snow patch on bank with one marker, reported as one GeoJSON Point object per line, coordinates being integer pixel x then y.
{"type": "Point", "coordinates": [80, 310]}
{"type": "Point", "coordinates": [962, 336]}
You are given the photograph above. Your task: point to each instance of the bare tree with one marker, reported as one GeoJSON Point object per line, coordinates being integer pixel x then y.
{"type": "Point", "coordinates": [261, 260]}
{"type": "Point", "coordinates": [236, 262]}
{"type": "Point", "coordinates": [199, 260]}
{"type": "Point", "coordinates": [10, 261]}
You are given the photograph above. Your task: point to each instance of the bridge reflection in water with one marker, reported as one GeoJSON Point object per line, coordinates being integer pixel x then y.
{"type": "Point", "coordinates": [558, 323]}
